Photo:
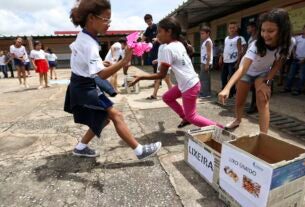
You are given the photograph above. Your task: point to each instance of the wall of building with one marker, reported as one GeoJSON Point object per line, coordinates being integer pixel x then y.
{"type": "Point", "coordinates": [296, 9]}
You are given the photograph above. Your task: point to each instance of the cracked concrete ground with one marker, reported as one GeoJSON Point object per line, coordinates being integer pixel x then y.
{"type": "Point", "coordinates": [37, 168]}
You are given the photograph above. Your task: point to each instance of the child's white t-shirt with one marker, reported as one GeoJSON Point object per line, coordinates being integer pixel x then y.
{"type": "Point", "coordinates": [38, 55]}
{"type": "Point", "coordinates": [230, 53]}
{"type": "Point", "coordinates": [300, 47]}
{"type": "Point", "coordinates": [174, 55]}
{"type": "Point", "coordinates": [85, 59]}
{"type": "Point", "coordinates": [2, 60]}
{"type": "Point", "coordinates": [18, 52]}
{"type": "Point", "coordinates": [204, 54]}
{"type": "Point", "coordinates": [262, 64]}
{"type": "Point", "coordinates": [51, 57]}
{"type": "Point", "coordinates": [117, 52]}
{"type": "Point", "coordinates": [161, 47]}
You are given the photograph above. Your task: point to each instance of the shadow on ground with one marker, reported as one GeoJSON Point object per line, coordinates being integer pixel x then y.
{"type": "Point", "coordinates": [69, 168]}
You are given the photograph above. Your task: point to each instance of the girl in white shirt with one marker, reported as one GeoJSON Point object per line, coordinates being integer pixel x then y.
{"type": "Point", "coordinates": [52, 63]}
{"type": "Point", "coordinates": [84, 100]}
{"type": "Point", "coordinates": [18, 52]}
{"type": "Point", "coordinates": [259, 65]}
{"type": "Point", "coordinates": [41, 65]}
{"type": "Point", "coordinates": [174, 55]}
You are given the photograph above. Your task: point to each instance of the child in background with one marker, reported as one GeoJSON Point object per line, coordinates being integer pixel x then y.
{"type": "Point", "coordinates": [3, 67]}
{"type": "Point", "coordinates": [41, 65]}
{"type": "Point", "coordinates": [18, 52]}
{"type": "Point", "coordinates": [174, 55]}
{"type": "Point", "coordinates": [113, 57]}
{"type": "Point", "coordinates": [206, 63]}
{"type": "Point", "coordinates": [52, 63]}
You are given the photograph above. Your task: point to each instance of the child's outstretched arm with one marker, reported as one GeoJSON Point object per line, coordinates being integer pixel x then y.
{"type": "Point", "coordinates": [155, 76]}
{"type": "Point", "coordinates": [109, 71]}
{"type": "Point", "coordinates": [243, 68]}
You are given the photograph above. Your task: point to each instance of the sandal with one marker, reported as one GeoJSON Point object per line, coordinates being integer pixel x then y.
{"type": "Point", "coordinates": [183, 124]}
{"type": "Point", "coordinates": [232, 125]}
{"type": "Point", "coordinates": [151, 97]}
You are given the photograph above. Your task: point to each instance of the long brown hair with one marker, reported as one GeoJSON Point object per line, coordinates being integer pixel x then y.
{"type": "Point", "coordinates": [281, 18]}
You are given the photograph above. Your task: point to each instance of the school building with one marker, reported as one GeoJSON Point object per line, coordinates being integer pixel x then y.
{"type": "Point", "coordinates": [60, 41]}
{"type": "Point", "coordinates": [192, 14]}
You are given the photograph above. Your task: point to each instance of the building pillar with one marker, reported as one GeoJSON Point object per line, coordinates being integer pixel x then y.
{"type": "Point", "coordinates": [182, 17]}
{"type": "Point", "coordinates": [30, 42]}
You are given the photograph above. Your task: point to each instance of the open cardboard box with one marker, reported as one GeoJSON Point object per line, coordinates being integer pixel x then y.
{"type": "Point", "coordinates": [261, 170]}
{"type": "Point", "coordinates": [269, 149]}
{"type": "Point", "coordinates": [205, 144]}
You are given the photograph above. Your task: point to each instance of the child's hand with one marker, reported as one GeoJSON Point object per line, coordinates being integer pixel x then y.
{"type": "Point", "coordinates": [137, 79]}
{"type": "Point", "coordinates": [223, 96]}
{"type": "Point", "coordinates": [266, 90]}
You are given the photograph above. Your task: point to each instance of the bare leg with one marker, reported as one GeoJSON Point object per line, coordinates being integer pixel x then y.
{"type": "Point", "coordinates": [241, 97]}
{"type": "Point", "coordinates": [51, 73]}
{"type": "Point", "coordinates": [19, 74]}
{"type": "Point", "coordinates": [263, 108]}
{"type": "Point", "coordinates": [121, 127]}
{"type": "Point", "coordinates": [24, 75]}
{"type": "Point", "coordinates": [89, 135]}
{"type": "Point", "coordinates": [156, 88]}
{"type": "Point", "coordinates": [55, 74]}
{"type": "Point", "coordinates": [168, 82]}
{"type": "Point", "coordinates": [45, 76]}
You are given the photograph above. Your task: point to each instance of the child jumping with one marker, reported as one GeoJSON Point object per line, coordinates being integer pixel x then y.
{"type": "Point", "coordinates": [88, 104]}
{"type": "Point", "coordinates": [174, 55]}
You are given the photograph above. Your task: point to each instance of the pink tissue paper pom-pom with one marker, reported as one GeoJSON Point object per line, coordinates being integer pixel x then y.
{"type": "Point", "coordinates": [132, 39]}
{"type": "Point", "coordinates": [139, 48]}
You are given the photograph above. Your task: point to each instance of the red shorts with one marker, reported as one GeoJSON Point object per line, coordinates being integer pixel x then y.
{"type": "Point", "coordinates": [42, 66]}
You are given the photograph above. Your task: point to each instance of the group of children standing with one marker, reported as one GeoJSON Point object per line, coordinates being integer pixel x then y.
{"type": "Point", "coordinates": [41, 60]}
{"type": "Point", "coordinates": [91, 107]}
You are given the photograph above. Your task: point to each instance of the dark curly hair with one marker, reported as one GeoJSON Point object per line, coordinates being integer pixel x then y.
{"type": "Point", "coordinates": [281, 18]}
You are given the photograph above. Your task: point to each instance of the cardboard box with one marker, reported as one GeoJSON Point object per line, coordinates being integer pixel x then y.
{"type": "Point", "coordinates": [261, 170]}
{"type": "Point", "coordinates": [202, 151]}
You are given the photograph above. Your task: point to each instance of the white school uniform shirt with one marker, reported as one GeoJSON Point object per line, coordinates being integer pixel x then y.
{"type": "Point", "coordinates": [204, 54]}
{"type": "Point", "coordinates": [160, 50]}
{"type": "Point", "coordinates": [51, 57]}
{"type": "Point", "coordinates": [230, 52]}
{"type": "Point", "coordinates": [260, 64]}
{"type": "Point", "coordinates": [18, 52]}
{"type": "Point", "coordinates": [85, 59]}
{"type": "Point", "coordinates": [175, 56]}
{"type": "Point", "coordinates": [117, 52]}
{"type": "Point", "coordinates": [2, 60]}
{"type": "Point", "coordinates": [26, 58]}
{"type": "Point", "coordinates": [300, 47]}
{"type": "Point", "coordinates": [38, 55]}
{"type": "Point", "coordinates": [242, 40]}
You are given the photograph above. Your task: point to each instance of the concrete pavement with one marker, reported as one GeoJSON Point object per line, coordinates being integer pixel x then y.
{"type": "Point", "coordinates": [37, 136]}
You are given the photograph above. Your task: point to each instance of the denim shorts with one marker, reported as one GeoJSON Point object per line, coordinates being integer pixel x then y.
{"type": "Point", "coordinates": [251, 79]}
{"type": "Point", "coordinates": [18, 62]}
